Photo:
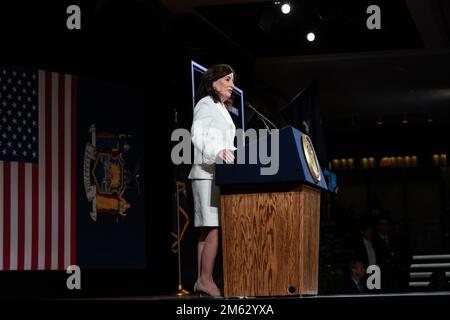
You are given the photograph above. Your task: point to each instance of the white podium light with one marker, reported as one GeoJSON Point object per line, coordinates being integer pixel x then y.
{"type": "Point", "coordinates": [310, 36]}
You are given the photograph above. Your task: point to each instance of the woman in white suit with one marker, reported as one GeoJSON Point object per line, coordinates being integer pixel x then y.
{"type": "Point", "coordinates": [212, 135]}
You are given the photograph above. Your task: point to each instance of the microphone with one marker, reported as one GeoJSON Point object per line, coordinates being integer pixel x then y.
{"type": "Point", "coordinates": [262, 117]}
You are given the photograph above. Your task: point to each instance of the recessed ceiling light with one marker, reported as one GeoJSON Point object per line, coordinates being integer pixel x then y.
{"type": "Point", "coordinates": [311, 36]}
{"type": "Point", "coordinates": [286, 8]}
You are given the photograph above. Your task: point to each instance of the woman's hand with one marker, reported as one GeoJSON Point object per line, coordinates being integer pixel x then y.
{"type": "Point", "coordinates": [226, 155]}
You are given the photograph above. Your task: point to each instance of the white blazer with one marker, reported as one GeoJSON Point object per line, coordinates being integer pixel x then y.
{"type": "Point", "coordinates": [212, 130]}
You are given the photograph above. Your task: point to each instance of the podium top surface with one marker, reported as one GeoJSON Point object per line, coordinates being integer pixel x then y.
{"type": "Point", "coordinates": [283, 156]}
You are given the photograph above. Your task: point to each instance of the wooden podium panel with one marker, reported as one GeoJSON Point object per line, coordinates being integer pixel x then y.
{"type": "Point", "coordinates": [270, 240]}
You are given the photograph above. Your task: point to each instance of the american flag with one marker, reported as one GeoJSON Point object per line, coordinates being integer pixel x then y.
{"type": "Point", "coordinates": [37, 169]}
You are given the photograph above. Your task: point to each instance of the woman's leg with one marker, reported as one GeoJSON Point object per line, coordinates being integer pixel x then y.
{"type": "Point", "coordinates": [207, 250]}
{"type": "Point", "coordinates": [200, 246]}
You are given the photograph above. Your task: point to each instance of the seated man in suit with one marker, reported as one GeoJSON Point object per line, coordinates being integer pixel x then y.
{"type": "Point", "coordinates": [356, 282]}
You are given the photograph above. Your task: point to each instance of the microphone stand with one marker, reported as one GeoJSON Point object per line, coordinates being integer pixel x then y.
{"type": "Point", "coordinates": [263, 118]}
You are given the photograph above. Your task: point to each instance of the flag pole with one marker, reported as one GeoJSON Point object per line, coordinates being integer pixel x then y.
{"type": "Point", "coordinates": [180, 291]}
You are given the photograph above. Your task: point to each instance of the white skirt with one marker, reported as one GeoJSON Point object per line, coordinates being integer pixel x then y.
{"type": "Point", "coordinates": [206, 203]}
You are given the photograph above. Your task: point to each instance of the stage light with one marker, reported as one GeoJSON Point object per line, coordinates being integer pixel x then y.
{"type": "Point", "coordinates": [435, 160]}
{"type": "Point", "coordinates": [364, 163]}
{"type": "Point", "coordinates": [405, 119]}
{"type": "Point", "coordinates": [311, 37]}
{"type": "Point", "coordinates": [385, 162]}
{"type": "Point", "coordinates": [380, 121]}
{"type": "Point", "coordinates": [335, 163]}
{"type": "Point", "coordinates": [407, 161]}
{"type": "Point", "coordinates": [286, 8]}
{"type": "Point", "coordinates": [351, 163]}
{"type": "Point", "coordinates": [443, 160]}
{"type": "Point", "coordinates": [394, 161]}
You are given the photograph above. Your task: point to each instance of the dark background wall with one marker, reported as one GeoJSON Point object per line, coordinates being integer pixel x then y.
{"type": "Point", "coordinates": [414, 197]}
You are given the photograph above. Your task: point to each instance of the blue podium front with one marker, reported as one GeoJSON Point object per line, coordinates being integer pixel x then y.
{"type": "Point", "coordinates": [295, 162]}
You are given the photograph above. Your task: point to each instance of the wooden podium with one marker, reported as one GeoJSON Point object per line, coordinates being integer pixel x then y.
{"type": "Point", "coordinates": [270, 223]}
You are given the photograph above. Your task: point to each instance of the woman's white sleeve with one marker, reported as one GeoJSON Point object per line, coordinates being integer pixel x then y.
{"type": "Point", "coordinates": [204, 136]}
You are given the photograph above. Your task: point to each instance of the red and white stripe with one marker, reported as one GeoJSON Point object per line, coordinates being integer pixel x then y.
{"type": "Point", "coordinates": [38, 200]}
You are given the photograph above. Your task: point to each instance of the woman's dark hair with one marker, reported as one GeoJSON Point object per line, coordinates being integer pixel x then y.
{"type": "Point", "coordinates": [205, 87]}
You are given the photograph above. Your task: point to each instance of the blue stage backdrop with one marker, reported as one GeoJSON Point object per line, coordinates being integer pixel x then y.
{"type": "Point", "coordinates": [111, 208]}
